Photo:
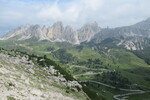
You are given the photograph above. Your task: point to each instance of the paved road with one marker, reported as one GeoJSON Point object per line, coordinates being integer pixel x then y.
{"type": "Point", "coordinates": [123, 96]}
{"type": "Point", "coordinates": [119, 96]}
{"type": "Point", "coordinates": [128, 90]}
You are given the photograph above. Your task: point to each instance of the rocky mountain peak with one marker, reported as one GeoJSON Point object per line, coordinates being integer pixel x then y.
{"type": "Point", "coordinates": [25, 26]}
{"type": "Point", "coordinates": [58, 23]}
{"type": "Point", "coordinates": [68, 29]}
{"type": "Point", "coordinates": [91, 25]}
{"type": "Point", "coordinates": [36, 26]}
{"type": "Point", "coordinates": [86, 32]}
{"type": "Point", "coordinates": [44, 27]}
{"type": "Point", "coordinates": [58, 27]}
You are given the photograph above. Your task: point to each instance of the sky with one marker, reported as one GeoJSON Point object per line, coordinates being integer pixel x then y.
{"type": "Point", "coordinates": [112, 13]}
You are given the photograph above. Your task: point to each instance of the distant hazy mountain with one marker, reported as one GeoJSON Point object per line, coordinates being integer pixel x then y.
{"type": "Point", "coordinates": [56, 32]}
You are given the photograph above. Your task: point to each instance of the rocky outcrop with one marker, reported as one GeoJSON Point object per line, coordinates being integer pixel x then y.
{"type": "Point", "coordinates": [86, 32]}
{"type": "Point", "coordinates": [70, 35]}
{"type": "Point", "coordinates": [55, 31]}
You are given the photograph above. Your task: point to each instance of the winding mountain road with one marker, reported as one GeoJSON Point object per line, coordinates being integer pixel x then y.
{"type": "Point", "coordinates": [119, 96]}
{"type": "Point", "coordinates": [123, 96]}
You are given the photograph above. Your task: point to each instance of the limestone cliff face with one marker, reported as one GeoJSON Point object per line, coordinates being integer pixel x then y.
{"type": "Point", "coordinates": [55, 31]}
{"type": "Point", "coordinates": [86, 32]}
{"type": "Point", "coordinates": [70, 35]}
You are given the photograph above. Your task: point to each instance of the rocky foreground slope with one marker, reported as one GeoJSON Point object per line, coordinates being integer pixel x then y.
{"type": "Point", "coordinates": [21, 79]}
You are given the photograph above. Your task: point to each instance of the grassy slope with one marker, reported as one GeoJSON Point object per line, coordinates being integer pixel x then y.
{"type": "Point", "coordinates": [140, 96]}
{"type": "Point", "coordinates": [132, 67]}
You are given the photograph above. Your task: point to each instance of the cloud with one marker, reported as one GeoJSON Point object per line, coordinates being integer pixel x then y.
{"type": "Point", "coordinates": [111, 13]}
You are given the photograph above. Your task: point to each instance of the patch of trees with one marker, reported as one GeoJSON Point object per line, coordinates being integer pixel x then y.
{"type": "Point", "coordinates": [1, 49]}
{"type": "Point", "coordinates": [143, 54]}
{"type": "Point", "coordinates": [107, 41]}
{"type": "Point", "coordinates": [94, 63]}
{"type": "Point", "coordinates": [50, 49]}
{"type": "Point", "coordinates": [91, 93]}
{"type": "Point", "coordinates": [64, 56]}
{"type": "Point", "coordinates": [113, 78]}
{"type": "Point", "coordinates": [91, 61]}
{"type": "Point", "coordinates": [79, 47]}
{"type": "Point", "coordinates": [147, 79]}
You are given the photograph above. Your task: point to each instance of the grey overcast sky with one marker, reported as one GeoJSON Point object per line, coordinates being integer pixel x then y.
{"type": "Point", "coordinates": [112, 13]}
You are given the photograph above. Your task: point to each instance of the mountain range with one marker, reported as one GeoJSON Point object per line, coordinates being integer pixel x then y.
{"type": "Point", "coordinates": [57, 32]}
{"type": "Point", "coordinates": [131, 37]}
